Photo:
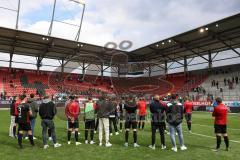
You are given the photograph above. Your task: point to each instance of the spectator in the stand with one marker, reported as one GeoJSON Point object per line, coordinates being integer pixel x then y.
{"type": "Point", "coordinates": [217, 84]}
{"type": "Point", "coordinates": [228, 81]}
{"type": "Point", "coordinates": [236, 80]}
{"type": "Point", "coordinates": [225, 81]}
{"type": "Point", "coordinates": [231, 85]}
{"type": "Point", "coordinates": [221, 90]}
{"type": "Point", "coordinates": [204, 91]}
{"type": "Point", "coordinates": [233, 79]}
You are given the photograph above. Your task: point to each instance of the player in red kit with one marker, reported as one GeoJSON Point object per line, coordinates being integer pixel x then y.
{"type": "Point", "coordinates": [142, 112]}
{"type": "Point", "coordinates": [220, 124]}
{"type": "Point", "coordinates": [188, 107]}
{"type": "Point", "coordinates": [72, 111]}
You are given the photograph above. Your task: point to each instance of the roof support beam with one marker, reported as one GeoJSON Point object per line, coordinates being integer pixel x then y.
{"type": "Point", "coordinates": [185, 65]}
{"type": "Point", "coordinates": [218, 37]}
{"type": "Point", "coordinates": [189, 49]}
{"type": "Point", "coordinates": [53, 13]}
{"type": "Point", "coordinates": [210, 60]}
{"type": "Point", "coordinates": [18, 11]}
{"type": "Point", "coordinates": [234, 50]}
{"type": "Point", "coordinates": [166, 56]}
{"type": "Point", "coordinates": [10, 62]}
{"type": "Point", "coordinates": [166, 67]}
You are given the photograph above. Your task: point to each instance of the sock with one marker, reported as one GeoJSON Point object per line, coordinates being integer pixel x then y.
{"type": "Point", "coordinates": [76, 136]}
{"type": "Point", "coordinates": [120, 125]}
{"type": "Point", "coordinates": [143, 123]}
{"type": "Point", "coordinates": [92, 134]}
{"type": "Point", "coordinates": [69, 135]}
{"type": "Point", "coordinates": [20, 139]}
{"type": "Point", "coordinates": [226, 140]}
{"type": "Point", "coordinates": [135, 136]}
{"type": "Point", "coordinates": [14, 131]}
{"type": "Point", "coordinates": [153, 137]}
{"type": "Point", "coordinates": [162, 136]}
{"type": "Point", "coordinates": [218, 142]}
{"type": "Point", "coordinates": [30, 137]}
{"type": "Point", "coordinates": [126, 136]}
{"type": "Point", "coordinates": [86, 134]}
{"type": "Point", "coordinates": [189, 126]}
{"type": "Point", "coordinates": [139, 124]}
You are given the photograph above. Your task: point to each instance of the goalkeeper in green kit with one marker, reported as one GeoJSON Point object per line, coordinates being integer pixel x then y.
{"type": "Point", "coordinates": [89, 118]}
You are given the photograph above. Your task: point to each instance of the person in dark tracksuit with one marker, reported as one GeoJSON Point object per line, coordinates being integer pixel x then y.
{"type": "Point", "coordinates": [157, 109]}
{"type": "Point", "coordinates": [47, 111]}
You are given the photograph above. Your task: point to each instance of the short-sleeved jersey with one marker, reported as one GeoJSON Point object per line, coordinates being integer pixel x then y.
{"type": "Point", "coordinates": [89, 110]}
{"type": "Point", "coordinates": [142, 107]}
{"type": "Point", "coordinates": [220, 114]}
{"type": "Point", "coordinates": [23, 113]}
{"type": "Point", "coordinates": [72, 109]}
{"type": "Point", "coordinates": [130, 108]}
{"type": "Point", "coordinates": [188, 107]}
{"type": "Point", "coordinates": [16, 104]}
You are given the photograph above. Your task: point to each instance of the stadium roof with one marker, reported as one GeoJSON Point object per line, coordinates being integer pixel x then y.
{"type": "Point", "coordinates": [215, 37]}
{"type": "Point", "coordinates": [31, 44]}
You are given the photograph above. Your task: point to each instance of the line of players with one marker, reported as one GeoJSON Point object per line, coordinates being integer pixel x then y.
{"type": "Point", "coordinates": [108, 111]}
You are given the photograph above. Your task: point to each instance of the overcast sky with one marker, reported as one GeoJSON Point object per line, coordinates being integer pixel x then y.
{"type": "Point", "coordinates": [141, 21]}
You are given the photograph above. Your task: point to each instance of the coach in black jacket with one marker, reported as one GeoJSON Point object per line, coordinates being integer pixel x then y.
{"type": "Point", "coordinates": [47, 111]}
{"type": "Point", "coordinates": [158, 109]}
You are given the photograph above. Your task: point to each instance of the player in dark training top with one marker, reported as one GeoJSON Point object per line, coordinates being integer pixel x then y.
{"type": "Point", "coordinates": [131, 120]}
{"type": "Point", "coordinates": [24, 125]}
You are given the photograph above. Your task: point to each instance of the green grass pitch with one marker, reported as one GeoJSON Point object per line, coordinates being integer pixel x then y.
{"type": "Point", "coordinates": [199, 143]}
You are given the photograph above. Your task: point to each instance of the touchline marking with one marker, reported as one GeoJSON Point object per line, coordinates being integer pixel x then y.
{"type": "Point", "coordinates": [198, 134]}
{"type": "Point", "coordinates": [212, 126]}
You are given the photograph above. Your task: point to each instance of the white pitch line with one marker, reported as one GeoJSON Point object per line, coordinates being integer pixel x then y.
{"type": "Point", "coordinates": [203, 135]}
{"type": "Point", "coordinates": [212, 126]}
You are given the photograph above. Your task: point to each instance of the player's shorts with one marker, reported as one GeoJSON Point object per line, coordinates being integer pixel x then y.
{"type": "Point", "coordinates": [188, 117]}
{"type": "Point", "coordinates": [89, 124]}
{"type": "Point", "coordinates": [74, 124]}
{"type": "Point", "coordinates": [130, 124]}
{"type": "Point", "coordinates": [24, 127]}
{"type": "Point", "coordinates": [141, 117]}
{"type": "Point", "coordinates": [222, 129]}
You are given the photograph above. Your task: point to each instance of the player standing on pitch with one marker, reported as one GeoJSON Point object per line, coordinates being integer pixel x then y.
{"type": "Point", "coordinates": [142, 112]}
{"type": "Point", "coordinates": [89, 118]}
{"type": "Point", "coordinates": [23, 117]}
{"type": "Point", "coordinates": [72, 111]}
{"type": "Point", "coordinates": [158, 110]}
{"type": "Point", "coordinates": [131, 120]}
{"type": "Point", "coordinates": [188, 108]}
{"type": "Point", "coordinates": [220, 124]}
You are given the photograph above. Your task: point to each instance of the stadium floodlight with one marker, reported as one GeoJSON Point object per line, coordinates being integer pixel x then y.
{"type": "Point", "coordinates": [169, 40]}
{"type": "Point", "coordinates": [157, 45]}
{"type": "Point", "coordinates": [206, 29]}
{"type": "Point", "coordinates": [78, 1]}
{"type": "Point", "coordinates": [80, 45]}
{"type": "Point", "coordinates": [163, 43]}
{"type": "Point", "coordinates": [217, 25]}
{"type": "Point", "coordinates": [201, 30]}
